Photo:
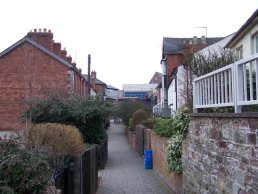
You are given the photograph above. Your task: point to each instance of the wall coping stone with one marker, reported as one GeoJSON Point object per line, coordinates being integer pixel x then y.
{"type": "Point", "coordinates": [227, 115]}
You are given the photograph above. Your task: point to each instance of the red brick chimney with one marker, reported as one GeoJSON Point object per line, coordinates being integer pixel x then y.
{"type": "Point", "coordinates": [44, 38]}
{"type": "Point", "coordinates": [63, 54]}
{"type": "Point", "coordinates": [57, 48]}
{"type": "Point", "coordinates": [69, 59]}
{"type": "Point", "coordinates": [74, 64]}
{"type": "Point", "coordinates": [203, 40]}
{"type": "Point", "coordinates": [93, 78]}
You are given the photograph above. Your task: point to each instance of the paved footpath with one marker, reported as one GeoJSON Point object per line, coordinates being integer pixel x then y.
{"type": "Point", "coordinates": [124, 172]}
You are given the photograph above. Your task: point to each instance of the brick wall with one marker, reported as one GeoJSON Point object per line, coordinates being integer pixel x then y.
{"type": "Point", "coordinates": [139, 144]}
{"type": "Point", "coordinates": [159, 145]}
{"type": "Point", "coordinates": [27, 72]}
{"type": "Point", "coordinates": [145, 139]}
{"type": "Point", "coordinates": [131, 137]}
{"type": "Point", "coordinates": [220, 155]}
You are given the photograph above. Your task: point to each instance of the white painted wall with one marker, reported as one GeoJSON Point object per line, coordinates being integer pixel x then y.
{"type": "Point", "coordinates": [172, 97]}
{"type": "Point", "coordinates": [246, 42]}
{"type": "Point", "coordinates": [181, 86]}
{"type": "Point", "coordinates": [176, 98]}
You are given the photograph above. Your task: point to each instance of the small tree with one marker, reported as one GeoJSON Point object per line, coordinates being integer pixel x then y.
{"type": "Point", "coordinates": [128, 107]}
{"type": "Point", "coordinates": [137, 117]}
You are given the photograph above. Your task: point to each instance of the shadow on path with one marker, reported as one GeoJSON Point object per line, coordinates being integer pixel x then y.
{"type": "Point", "coordinates": [124, 172]}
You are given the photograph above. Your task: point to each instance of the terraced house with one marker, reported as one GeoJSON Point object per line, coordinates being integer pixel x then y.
{"type": "Point", "coordinates": [35, 66]}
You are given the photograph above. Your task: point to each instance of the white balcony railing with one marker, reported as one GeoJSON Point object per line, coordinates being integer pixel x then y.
{"type": "Point", "coordinates": [157, 110]}
{"type": "Point", "coordinates": [233, 85]}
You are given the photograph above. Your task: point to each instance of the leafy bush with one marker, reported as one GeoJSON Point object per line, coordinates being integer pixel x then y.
{"type": "Point", "coordinates": [6, 190]}
{"type": "Point", "coordinates": [22, 170]}
{"type": "Point", "coordinates": [138, 116]}
{"type": "Point", "coordinates": [86, 113]}
{"type": "Point", "coordinates": [151, 122]}
{"type": "Point", "coordinates": [164, 128]}
{"type": "Point", "coordinates": [60, 138]}
{"type": "Point", "coordinates": [169, 127]}
{"type": "Point", "coordinates": [175, 129]}
{"type": "Point", "coordinates": [174, 153]}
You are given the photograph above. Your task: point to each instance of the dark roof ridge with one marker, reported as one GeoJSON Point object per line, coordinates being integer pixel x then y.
{"type": "Point", "coordinates": [42, 48]}
{"type": "Point", "coordinates": [237, 33]}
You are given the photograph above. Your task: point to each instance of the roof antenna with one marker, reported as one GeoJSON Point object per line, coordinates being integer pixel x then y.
{"type": "Point", "coordinates": [203, 28]}
{"type": "Point", "coordinates": [75, 55]}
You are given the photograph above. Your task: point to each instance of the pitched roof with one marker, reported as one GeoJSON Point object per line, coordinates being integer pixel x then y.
{"type": "Point", "coordinates": [97, 80]}
{"type": "Point", "coordinates": [175, 45]}
{"type": "Point", "coordinates": [43, 49]}
{"type": "Point", "coordinates": [111, 87]}
{"type": "Point", "coordinates": [253, 20]}
{"type": "Point", "coordinates": [156, 78]}
{"type": "Point", "coordinates": [217, 46]}
{"type": "Point", "coordinates": [26, 39]}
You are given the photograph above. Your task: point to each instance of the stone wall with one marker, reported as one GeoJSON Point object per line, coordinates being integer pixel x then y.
{"type": "Point", "coordinates": [220, 155]}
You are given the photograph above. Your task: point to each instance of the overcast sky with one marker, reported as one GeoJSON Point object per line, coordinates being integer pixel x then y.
{"type": "Point", "coordinates": [124, 37]}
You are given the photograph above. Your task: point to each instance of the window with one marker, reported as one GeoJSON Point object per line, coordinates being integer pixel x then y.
{"type": "Point", "coordinates": [254, 43]}
{"type": "Point", "coordinates": [70, 80]}
{"type": "Point", "coordinates": [239, 52]}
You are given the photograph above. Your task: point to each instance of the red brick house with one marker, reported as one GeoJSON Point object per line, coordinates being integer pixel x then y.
{"type": "Point", "coordinates": [99, 86]}
{"type": "Point", "coordinates": [174, 50]}
{"type": "Point", "coordinates": [35, 66]}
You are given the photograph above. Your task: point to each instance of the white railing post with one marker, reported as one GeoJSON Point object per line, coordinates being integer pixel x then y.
{"type": "Point", "coordinates": [195, 98]}
{"type": "Point", "coordinates": [232, 85]}
{"type": "Point", "coordinates": [256, 78]}
{"type": "Point", "coordinates": [237, 87]}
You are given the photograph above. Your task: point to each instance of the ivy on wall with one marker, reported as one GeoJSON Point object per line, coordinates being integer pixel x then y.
{"type": "Point", "coordinates": [175, 129]}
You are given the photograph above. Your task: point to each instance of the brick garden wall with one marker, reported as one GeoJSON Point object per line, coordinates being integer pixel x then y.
{"type": "Point", "coordinates": [159, 146]}
{"type": "Point", "coordinates": [220, 155]}
{"type": "Point", "coordinates": [144, 138]}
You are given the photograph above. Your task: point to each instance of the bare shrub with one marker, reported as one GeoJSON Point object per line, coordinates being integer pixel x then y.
{"type": "Point", "coordinates": [60, 138]}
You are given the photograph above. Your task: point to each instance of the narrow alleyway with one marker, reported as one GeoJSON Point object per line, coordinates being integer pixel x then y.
{"type": "Point", "coordinates": [125, 173]}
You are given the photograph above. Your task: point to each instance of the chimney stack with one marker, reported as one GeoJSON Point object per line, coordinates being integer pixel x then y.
{"type": "Point", "coordinates": [203, 40]}
{"type": "Point", "coordinates": [57, 48]}
{"type": "Point", "coordinates": [63, 53]}
{"type": "Point", "coordinates": [44, 38]}
{"type": "Point", "coordinates": [69, 59]}
{"type": "Point", "coordinates": [195, 40]}
{"type": "Point", "coordinates": [93, 78]}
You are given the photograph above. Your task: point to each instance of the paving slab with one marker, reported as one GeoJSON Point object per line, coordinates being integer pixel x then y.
{"type": "Point", "coordinates": [124, 172]}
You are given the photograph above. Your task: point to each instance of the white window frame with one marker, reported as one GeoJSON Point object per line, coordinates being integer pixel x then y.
{"type": "Point", "coordinates": [71, 81]}
{"type": "Point", "coordinates": [239, 52]}
{"type": "Point", "coordinates": [254, 43]}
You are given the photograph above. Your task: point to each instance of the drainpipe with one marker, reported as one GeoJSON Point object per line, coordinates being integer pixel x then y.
{"type": "Point", "coordinates": [89, 76]}
{"type": "Point", "coordinates": [164, 82]}
{"type": "Point", "coordinates": [166, 111]}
